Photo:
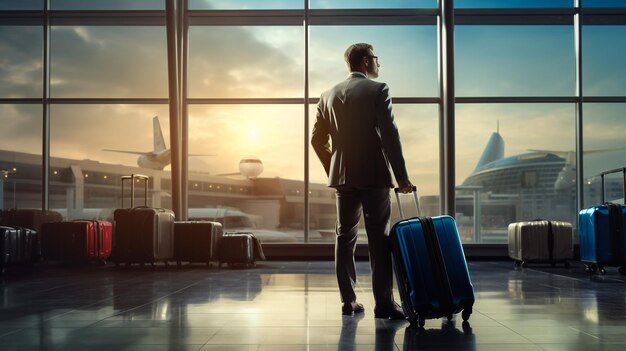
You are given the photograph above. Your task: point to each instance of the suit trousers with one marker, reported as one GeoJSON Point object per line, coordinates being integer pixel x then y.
{"type": "Point", "coordinates": [376, 207]}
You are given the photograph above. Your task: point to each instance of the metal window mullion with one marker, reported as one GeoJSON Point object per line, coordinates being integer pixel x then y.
{"type": "Point", "coordinates": [448, 104]}
{"type": "Point", "coordinates": [579, 107]}
{"type": "Point", "coordinates": [306, 122]}
{"type": "Point", "coordinates": [184, 116]}
{"type": "Point", "coordinates": [45, 148]}
{"type": "Point", "coordinates": [172, 69]}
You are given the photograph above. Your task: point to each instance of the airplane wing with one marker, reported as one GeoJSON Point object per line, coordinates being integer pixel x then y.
{"type": "Point", "coordinates": [126, 151]}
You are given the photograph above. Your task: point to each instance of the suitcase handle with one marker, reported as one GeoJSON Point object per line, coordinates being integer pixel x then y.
{"type": "Point", "coordinates": [616, 170]}
{"type": "Point", "coordinates": [132, 177]}
{"type": "Point", "coordinates": [417, 201]}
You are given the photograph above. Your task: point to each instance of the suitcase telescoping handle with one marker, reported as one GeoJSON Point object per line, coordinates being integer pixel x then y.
{"type": "Point", "coordinates": [417, 201]}
{"type": "Point", "coordinates": [616, 170]}
{"type": "Point", "coordinates": [132, 178]}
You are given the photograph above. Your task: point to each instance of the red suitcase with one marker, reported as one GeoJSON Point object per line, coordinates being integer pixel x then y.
{"type": "Point", "coordinates": [77, 241]}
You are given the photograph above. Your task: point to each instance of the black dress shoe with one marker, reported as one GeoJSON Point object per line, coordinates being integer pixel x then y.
{"type": "Point", "coordinates": [392, 312]}
{"type": "Point", "coordinates": [349, 308]}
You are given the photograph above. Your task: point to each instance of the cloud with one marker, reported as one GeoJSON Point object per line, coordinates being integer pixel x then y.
{"type": "Point", "coordinates": [20, 62]}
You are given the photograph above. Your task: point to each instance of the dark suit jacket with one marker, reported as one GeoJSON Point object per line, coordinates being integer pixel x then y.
{"type": "Point", "coordinates": [357, 116]}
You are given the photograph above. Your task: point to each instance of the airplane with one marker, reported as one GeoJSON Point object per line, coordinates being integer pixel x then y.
{"type": "Point", "coordinates": [249, 167]}
{"type": "Point", "coordinates": [161, 156]}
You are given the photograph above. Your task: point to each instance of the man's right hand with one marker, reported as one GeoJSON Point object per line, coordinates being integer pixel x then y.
{"type": "Point", "coordinates": [405, 186]}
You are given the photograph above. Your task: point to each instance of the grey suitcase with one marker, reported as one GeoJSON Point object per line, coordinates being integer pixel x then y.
{"type": "Point", "coordinates": [541, 241]}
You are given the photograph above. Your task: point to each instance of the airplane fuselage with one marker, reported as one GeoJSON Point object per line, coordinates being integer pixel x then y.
{"type": "Point", "coordinates": [155, 160]}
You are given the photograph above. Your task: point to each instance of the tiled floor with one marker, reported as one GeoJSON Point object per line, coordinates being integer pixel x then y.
{"type": "Point", "coordinates": [295, 306]}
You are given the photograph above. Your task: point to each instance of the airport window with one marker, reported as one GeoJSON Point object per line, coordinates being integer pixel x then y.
{"type": "Point", "coordinates": [107, 62]}
{"type": "Point", "coordinates": [515, 76]}
{"type": "Point", "coordinates": [372, 4]}
{"type": "Point", "coordinates": [410, 70]}
{"type": "Point", "coordinates": [514, 3]}
{"type": "Point", "coordinates": [107, 5]}
{"type": "Point", "coordinates": [518, 156]}
{"type": "Point", "coordinates": [21, 5]}
{"type": "Point", "coordinates": [604, 71]}
{"type": "Point", "coordinates": [246, 62]}
{"type": "Point", "coordinates": [245, 4]}
{"type": "Point", "coordinates": [604, 146]}
{"type": "Point", "coordinates": [20, 67]}
{"type": "Point", "coordinates": [514, 60]}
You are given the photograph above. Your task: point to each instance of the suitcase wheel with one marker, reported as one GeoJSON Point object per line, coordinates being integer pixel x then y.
{"type": "Point", "coordinates": [421, 322]}
{"type": "Point", "coordinates": [466, 314]}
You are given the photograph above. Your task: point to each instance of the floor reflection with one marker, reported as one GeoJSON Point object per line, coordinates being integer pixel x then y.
{"type": "Point", "coordinates": [295, 306]}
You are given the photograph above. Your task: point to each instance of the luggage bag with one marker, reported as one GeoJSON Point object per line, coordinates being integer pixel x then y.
{"type": "Point", "coordinates": [17, 246]}
{"type": "Point", "coordinates": [196, 241]}
{"type": "Point", "coordinates": [239, 248]}
{"type": "Point", "coordinates": [80, 240]}
{"type": "Point", "coordinates": [142, 234]}
{"type": "Point", "coordinates": [602, 238]}
{"type": "Point", "coordinates": [540, 241]}
{"type": "Point", "coordinates": [430, 267]}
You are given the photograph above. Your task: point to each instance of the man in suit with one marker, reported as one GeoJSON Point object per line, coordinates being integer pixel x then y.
{"type": "Point", "coordinates": [357, 116]}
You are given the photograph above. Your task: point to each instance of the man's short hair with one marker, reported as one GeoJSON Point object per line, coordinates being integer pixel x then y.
{"type": "Point", "coordinates": [355, 53]}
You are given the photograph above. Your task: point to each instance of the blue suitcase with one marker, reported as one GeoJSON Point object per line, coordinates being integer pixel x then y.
{"type": "Point", "coordinates": [430, 267]}
{"type": "Point", "coordinates": [602, 237]}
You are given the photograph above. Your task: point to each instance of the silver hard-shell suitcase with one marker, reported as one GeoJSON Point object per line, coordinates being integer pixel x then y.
{"type": "Point", "coordinates": [541, 241]}
{"type": "Point", "coordinates": [143, 234]}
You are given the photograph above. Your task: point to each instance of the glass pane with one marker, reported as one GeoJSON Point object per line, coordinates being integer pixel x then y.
{"type": "Point", "coordinates": [246, 62]}
{"type": "Point", "coordinates": [604, 145]}
{"type": "Point", "coordinates": [21, 5]}
{"type": "Point", "coordinates": [410, 70]}
{"type": "Point", "coordinates": [516, 161]}
{"type": "Point", "coordinates": [108, 62]}
{"type": "Point", "coordinates": [513, 3]}
{"type": "Point", "coordinates": [515, 61]}
{"type": "Point", "coordinates": [419, 134]}
{"type": "Point", "coordinates": [20, 156]}
{"type": "Point", "coordinates": [245, 4]}
{"type": "Point", "coordinates": [91, 146]}
{"type": "Point", "coordinates": [20, 61]}
{"type": "Point", "coordinates": [248, 173]}
{"type": "Point", "coordinates": [371, 4]}
{"type": "Point", "coordinates": [604, 54]}
{"type": "Point", "coordinates": [604, 3]}
{"type": "Point", "coordinates": [107, 5]}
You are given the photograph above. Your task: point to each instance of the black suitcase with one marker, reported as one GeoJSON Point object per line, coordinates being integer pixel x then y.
{"type": "Point", "coordinates": [240, 248]}
{"type": "Point", "coordinates": [17, 246]}
{"type": "Point", "coordinates": [196, 241]}
{"type": "Point", "coordinates": [29, 218]}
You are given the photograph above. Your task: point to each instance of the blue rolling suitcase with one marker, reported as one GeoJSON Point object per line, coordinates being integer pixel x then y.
{"type": "Point", "coordinates": [430, 267]}
{"type": "Point", "coordinates": [602, 237]}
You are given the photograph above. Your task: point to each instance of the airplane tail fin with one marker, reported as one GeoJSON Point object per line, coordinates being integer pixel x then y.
{"type": "Point", "coordinates": [159, 141]}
